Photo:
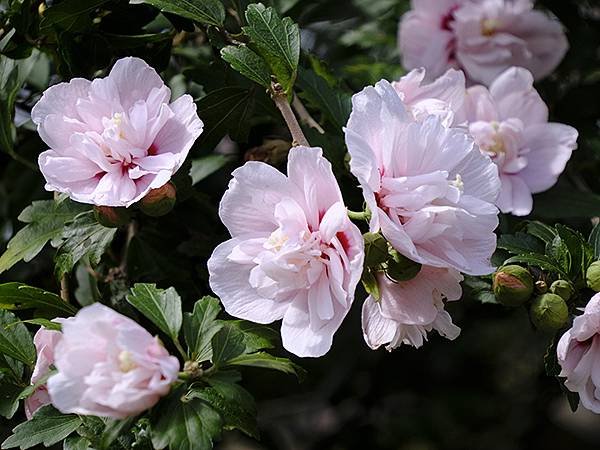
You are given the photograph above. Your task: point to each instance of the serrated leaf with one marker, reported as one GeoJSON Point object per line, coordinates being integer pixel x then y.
{"type": "Point", "coordinates": [334, 104]}
{"type": "Point", "coordinates": [200, 326]}
{"type": "Point", "coordinates": [227, 344]}
{"type": "Point", "coordinates": [47, 427]}
{"type": "Point", "coordinates": [45, 219]}
{"type": "Point", "coordinates": [277, 40]}
{"type": "Point", "coordinates": [268, 361]}
{"type": "Point", "coordinates": [235, 405]}
{"type": "Point", "coordinates": [520, 243]}
{"type": "Point", "coordinates": [542, 231]}
{"type": "Point", "coordinates": [76, 443]}
{"type": "Point", "coordinates": [256, 336]}
{"type": "Point", "coordinates": [15, 340]}
{"type": "Point", "coordinates": [207, 165]}
{"type": "Point", "coordinates": [15, 296]}
{"type": "Point", "coordinates": [248, 63]}
{"type": "Point", "coordinates": [541, 261]}
{"type": "Point", "coordinates": [83, 237]}
{"type": "Point", "coordinates": [191, 424]}
{"type": "Point", "coordinates": [162, 307]}
{"type": "Point", "coordinates": [209, 12]}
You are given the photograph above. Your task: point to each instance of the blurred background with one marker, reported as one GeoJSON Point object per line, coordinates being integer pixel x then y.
{"type": "Point", "coordinates": [486, 390]}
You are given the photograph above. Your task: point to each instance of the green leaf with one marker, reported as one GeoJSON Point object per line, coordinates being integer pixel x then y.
{"type": "Point", "coordinates": [113, 429]}
{"type": "Point", "coordinates": [162, 307]}
{"type": "Point", "coordinates": [209, 12]}
{"type": "Point", "coordinates": [248, 63]}
{"type": "Point", "coordinates": [189, 424]}
{"type": "Point", "coordinates": [225, 111]}
{"type": "Point", "coordinates": [200, 326]}
{"type": "Point", "coordinates": [207, 165]}
{"type": "Point", "coordinates": [83, 237]}
{"type": "Point", "coordinates": [334, 104]}
{"type": "Point", "coordinates": [564, 202]}
{"type": "Point", "coordinates": [520, 243]}
{"type": "Point", "coordinates": [542, 231]}
{"type": "Point", "coordinates": [371, 285]}
{"type": "Point", "coordinates": [44, 323]}
{"type": "Point", "coordinates": [47, 427]}
{"type": "Point", "coordinates": [267, 361]}
{"type": "Point", "coordinates": [9, 399]}
{"type": "Point", "coordinates": [276, 40]}
{"type": "Point", "coordinates": [227, 343]}
{"type": "Point", "coordinates": [45, 219]}
{"type": "Point", "coordinates": [76, 443]}
{"type": "Point", "coordinates": [541, 261]}
{"type": "Point", "coordinates": [69, 15]}
{"type": "Point", "coordinates": [17, 296]}
{"type": "Point", "coordinates": [235, 405]}
{"type": "Point", "coordinates": [256, 337]}
{"type": "Point", "coordinates": [15, 340]}
{"type": "Point", "coordinates": [594, 241]}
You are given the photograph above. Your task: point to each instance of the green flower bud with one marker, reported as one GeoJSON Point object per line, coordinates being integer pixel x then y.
{"type": "Point", "coordinates": [549, 312]}
{"type": "Point", "coordinates": [512, 285]}
{"type": "Point", "coordinates": [592, 276]}
{"type": "Point", "coordinates": [112, 217]}
{"type": "Point", "coordinates": [563, 289]}
{"type": "Point", "coordinates": [160, 201]}
{"type": "Point", "coordinates": [400, 268]}
{"type": "Point", "coordinates": [376, 249]}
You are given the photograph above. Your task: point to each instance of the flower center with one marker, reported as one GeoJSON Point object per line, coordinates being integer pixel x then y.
{"type": "Point", "coordinates": [126, 362]}
{"type": "Point", "coordinates": [489, 27]}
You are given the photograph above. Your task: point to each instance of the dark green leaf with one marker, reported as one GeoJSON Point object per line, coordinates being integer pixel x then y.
{"type": "Point", "coordinates": [44, 323]}
{"type": "Point", "coordinates": [45, 219]}
{"type": "Point", "coordinates": [542, 231]}
{"type": "Point", "coordinates": [594, 241]}
{"type": "Point", "coordinates": [189, 425]}
{"type": "Point", "coordinates": [520, 243]}
{"type": "Point", "coordinates": [76, 443]}
{"type": "Point", "coordinates": [541, 261]}
{"type": "Point", "coordinates": [371, 285]}
{"type": "Point", "coordinates": [200, 326]}
{"type": "Point", "coordinates": [70, 15]}
{"type": "Point", "coordinates": [9, 398]}
{"type": "Point", "coordinates": [267, 361]}
{"type": "Point", "coordinates": [21, 296]}
{"type": "Point", "coordinates": [162, 307]}
{"type": "Point", "coordinates": [564, 202]}
{"type": "Point", "coordinates": [113, 429]}
{"type": "Point", "coordinates": [209, 12]}
{"type": "Point", "coordinates": [207, 165]}
{"type": "Point", "coordinates": [15, 340]}
{"type": "Point", "coordinates": [334, 104]}
{"type": "Point", "coordinates": [227, 344]}
{"type": "Point", "coordinates": [47, 427]}
{"type": "Point", "coordinates": [256, 336]}
{"type": "Point", "coordinates": [277, 41]}
{"type": "Point", "coordinates": [235, 405]}
{"type": "Point", "coordinates": [248, 63]}
{"type": "Point", "coordinates": [83, 237]}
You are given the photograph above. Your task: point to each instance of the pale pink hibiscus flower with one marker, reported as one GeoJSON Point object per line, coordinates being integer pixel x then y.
{"type": "Point", "coordinates": [294, 254]}
{"type": "Point", "coordinates": [429, 189]}
{"type": "Point", "coordinates": [114, 139]}
{"type": "Point", "coordinates": [482, 37]}
{"type": "Point", "coordinates": [408, 310]}
{"type": "Point", "coordinates": [109, 366]}
{"type": "Point", "coordinates": [578, 354]}
{"type": "Point", "coordinates": [510, 124]}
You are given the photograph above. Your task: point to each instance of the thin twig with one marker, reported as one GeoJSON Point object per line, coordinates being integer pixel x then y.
{"type": "Point", "coordinates": [64, 287]}
{"type": "Point", "coordinates": [131, 230]}
{"type": "Point", "coordinates": [305, 116]}
{"type": "Point", "coordinates": [280, 99]}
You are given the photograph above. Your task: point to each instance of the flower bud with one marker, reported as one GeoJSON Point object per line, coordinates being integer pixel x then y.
{"type": "Point", "coordinates": [512, 285]}
{"type": "Point", "coordinates": [563, 289]}
{"type": "Point", "coordinates": [541, 287]}
{"type": "Point", "coordinates": [112, 217]}
{"type": "Point", "coordinates": [400, 268]}
{"type": "Point", "coordinates": [592, 276]}
{"type": "Point", "coordinates": [376, 249]}
{"type": "Point", "coordinates": [549, 312]}
{"type": "Point", "coordinates": [159, 202]}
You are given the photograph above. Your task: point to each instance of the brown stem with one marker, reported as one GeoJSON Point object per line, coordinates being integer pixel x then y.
{"type": "Point", "coordinates": [280, 99]}
{"type": "Point", "coordinates": [64, 288]}
{"type": "Point", "coordinates": [305, 116]}
{"type": "Point", "coordinates": [131, 230]}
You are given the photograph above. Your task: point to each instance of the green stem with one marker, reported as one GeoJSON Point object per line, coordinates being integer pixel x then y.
{"type": "Point", "coordinates": [363, 215]}
{"type": "Point", "coordinates": [180, 349]}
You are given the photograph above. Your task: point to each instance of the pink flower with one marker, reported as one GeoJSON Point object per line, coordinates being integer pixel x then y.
{"type": "Point", "coordinates": [408, 310]}
{"type": "Point", "coordinates": [510, 124]}
{"type": "Point", "coordinates": [482, 37]}
{"type": "Point", "coordinates": [578, 354]}
{"type": "Point", "coordinates": [429, 189]}
{"type": "Point", "coordinates": [444, 97]}
{"type": "Point", "coordinates": [108, 365]}
{"type": "Point", "coordinates": [45, 342]}
{"type": "Point", "coordinates": [114, 139]}
{"type": "Point", "coordinates": [294, 254]}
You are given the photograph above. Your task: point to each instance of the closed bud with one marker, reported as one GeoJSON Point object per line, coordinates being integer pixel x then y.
{"type": "Point", "coordinates": [592, 276]}
{"type": "Point", "coordinates": [541, 287]}
{"type": "Point", "coordinates": [512, 285]}
{"type": "Point", "coordinates": [376, 249]}
{"type": "Point", "coordinates": [112, 217]}
{"type": "Point", "coordinates": [563, 289]}
{"type": "Point", "coordinates": [549, 312]}
{"type": "Point", "coordinates": [400, 268]}
{"type": "Point", "coordinates": [160, 201]}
